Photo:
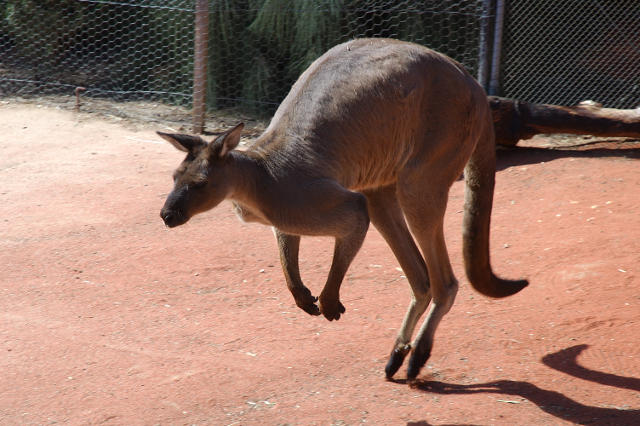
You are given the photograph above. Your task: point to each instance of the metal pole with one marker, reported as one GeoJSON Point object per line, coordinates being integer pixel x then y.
{"type": "Point", "coordinates": [201, 41]}
{"type": "Point", "coordinates": [494, 83]}
{"type": "Point", "coordinates": [484, 51]}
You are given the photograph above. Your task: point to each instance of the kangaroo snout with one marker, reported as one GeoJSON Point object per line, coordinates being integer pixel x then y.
{"type": "Point", "coordinates": [172, 218]}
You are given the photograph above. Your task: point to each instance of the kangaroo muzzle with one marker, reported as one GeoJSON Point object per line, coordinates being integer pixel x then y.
{"type": "Point", "coordinates": [172, 214]}
{"type": "Point", "coordinates": [172, 218]}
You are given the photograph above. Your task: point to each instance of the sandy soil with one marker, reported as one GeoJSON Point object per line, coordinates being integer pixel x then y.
{"type": "Point", "coordinates": [108, 317]}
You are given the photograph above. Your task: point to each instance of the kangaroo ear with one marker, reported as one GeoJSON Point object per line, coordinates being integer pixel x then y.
{"type": "Point", "coordinates": [186, 143]}
{"type": "Point", "coordinates": [226, 142]}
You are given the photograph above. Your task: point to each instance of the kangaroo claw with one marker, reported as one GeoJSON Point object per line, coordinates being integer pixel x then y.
{"type": "Point", "coordinates": [311, 308]}
{"type": "Point", "coordinates": [396, 359]}
{"type": "Point", "coordinates": [332, 310]}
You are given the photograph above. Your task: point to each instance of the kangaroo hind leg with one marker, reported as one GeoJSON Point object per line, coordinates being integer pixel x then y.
{"type": "Point", "coordinates": [425, 216]}
{"type": "Point", "coordinates": [387, 217]}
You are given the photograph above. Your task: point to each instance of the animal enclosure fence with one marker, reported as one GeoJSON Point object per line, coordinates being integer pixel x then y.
{"type": "Point", "coordinates": [570, 51]}
{"type": "Point", "coordinates": [145, 53]}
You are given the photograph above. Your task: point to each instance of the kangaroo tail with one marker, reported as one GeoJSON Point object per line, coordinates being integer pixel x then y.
{"type": "Point", "coordinates": [480, 180]}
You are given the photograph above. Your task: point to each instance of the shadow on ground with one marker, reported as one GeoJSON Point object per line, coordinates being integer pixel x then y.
{"type": "Point", "coordinates": [566, 362]}
{"type": "Point", "coordinates": [549, 401]}
{"type": "Point", "coordinates": [520, 156]}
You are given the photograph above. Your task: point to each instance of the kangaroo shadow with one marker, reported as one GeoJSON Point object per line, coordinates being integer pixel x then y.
{"type": "Point", "coordinates": [520, 156]}
{"type": "Point", "coordinates": [551, 401]}
{"type": "Point", "coordinates": [565, 361]}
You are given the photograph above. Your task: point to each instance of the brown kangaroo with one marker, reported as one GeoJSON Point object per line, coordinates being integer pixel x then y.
{"type": "Point", "coordinates": [374, 129]}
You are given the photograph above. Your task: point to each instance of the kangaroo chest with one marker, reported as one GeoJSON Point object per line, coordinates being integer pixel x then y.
{"type": "Point", "coordinates": [246, 214]}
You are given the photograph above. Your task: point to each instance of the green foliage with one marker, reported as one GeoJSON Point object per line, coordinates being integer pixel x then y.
{"type": "Point", "coordinates": [301, 29]}
{"type": "Point", "coordinates": [231, 50]}
{"type": "Point", "coordinates": [257, 48]}
{"type": "Point", "coordinates": [285, 36]}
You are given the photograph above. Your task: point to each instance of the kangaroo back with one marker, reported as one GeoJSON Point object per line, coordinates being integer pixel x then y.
{"type": "Point", "coordinates": [480, 181]}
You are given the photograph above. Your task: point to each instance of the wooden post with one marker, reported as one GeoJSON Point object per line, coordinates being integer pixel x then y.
{"type": "Point", "coordinates": [514, 120]}
{"type": "Point", "coordinates": [201, 41]}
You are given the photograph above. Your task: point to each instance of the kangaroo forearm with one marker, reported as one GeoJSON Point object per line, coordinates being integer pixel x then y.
{"type": "Point", "coordinates": [344, 252]}
{"type": "Point", "coordinates": [289, 246]}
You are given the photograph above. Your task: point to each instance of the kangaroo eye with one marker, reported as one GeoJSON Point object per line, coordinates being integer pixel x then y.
{"type": "Point", "coordinates": [199, 184]}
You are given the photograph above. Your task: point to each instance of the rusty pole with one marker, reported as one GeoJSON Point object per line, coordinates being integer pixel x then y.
{"type": "Point", "coordinates": [201, 41]}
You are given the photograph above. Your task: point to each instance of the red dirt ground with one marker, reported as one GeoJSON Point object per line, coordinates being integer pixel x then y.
{"type": "Point", "coordinates": [108, 317]}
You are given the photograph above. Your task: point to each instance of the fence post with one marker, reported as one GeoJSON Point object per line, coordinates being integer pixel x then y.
{"type": "Point", "coordinates": [201, 41]}
{"type": "Point", "coordinates": [484, 50]}
{"type": "Point", "coordinates": [494, 82]}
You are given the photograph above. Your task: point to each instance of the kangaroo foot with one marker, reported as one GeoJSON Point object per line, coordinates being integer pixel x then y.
{"type": "Point", "coordinates": [418, 359]}
{"type": "Point", "coordinates": [331, 307]}
{"type": "Point", "coordinates": [396, 359]}
{"type": "Point", "coordinates": [306, 301]}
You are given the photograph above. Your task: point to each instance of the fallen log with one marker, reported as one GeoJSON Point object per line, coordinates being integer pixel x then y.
{"type": "Point", "coordinates": [516, 120]}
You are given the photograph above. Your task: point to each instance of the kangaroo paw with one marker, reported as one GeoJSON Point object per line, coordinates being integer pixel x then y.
{"type": "Point", "coordinates": [396, 359]}
{"type": "Point", "coordinates": [311, 308]}
{"type": "Point", "coordinates": [331, 308]}
{"type": "Point", "coordinates": [306, 301]}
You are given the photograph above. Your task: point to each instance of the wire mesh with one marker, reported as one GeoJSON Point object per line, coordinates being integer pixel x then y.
{"type": "Point", "coordinates": [567, 52]}
{"type": "Point", "coordinates": [131, 51]}
{"type": "Point", "coordinates": [259, 48]}
{"type": "Point", "coordinates": [136, 57]}
{"type": "Point", "coordinates": [118, 51]}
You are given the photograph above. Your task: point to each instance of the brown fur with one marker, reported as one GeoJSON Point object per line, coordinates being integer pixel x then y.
{"type": "Point", "coordinates": [375, 129]}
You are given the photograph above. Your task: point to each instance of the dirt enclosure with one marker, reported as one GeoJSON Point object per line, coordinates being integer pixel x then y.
{"type": "Point", "coordinates": [108, 317]}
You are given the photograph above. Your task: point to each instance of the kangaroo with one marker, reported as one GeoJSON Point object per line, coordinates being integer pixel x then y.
{"type": "Point", "coordinates": [375, 130]}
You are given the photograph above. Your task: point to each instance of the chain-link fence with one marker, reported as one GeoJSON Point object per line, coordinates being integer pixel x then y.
{"type": "Point", "coordinates": [570, 51]}
{"type": "Point", "coordinates": [117, 51]}
{"type": "Point", "coordinates": [143, 50]}
{"type": "Point", "coordinates": [136, 58]}
{"type": "Point", "coordinates": [257, 53]}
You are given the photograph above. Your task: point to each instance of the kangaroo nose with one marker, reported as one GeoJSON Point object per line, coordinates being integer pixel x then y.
{"type": "Point", "coordinates": [172, 218]}
{"type": "Point", "coordinates": [168, 217]}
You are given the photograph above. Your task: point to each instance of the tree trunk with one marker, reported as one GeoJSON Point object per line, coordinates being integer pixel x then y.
{"type": "Point", "coordinates": [515, 120]}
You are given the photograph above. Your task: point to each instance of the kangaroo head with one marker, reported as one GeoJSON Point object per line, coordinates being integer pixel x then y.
{"type": "Point", "coordinates": [201, 181]}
